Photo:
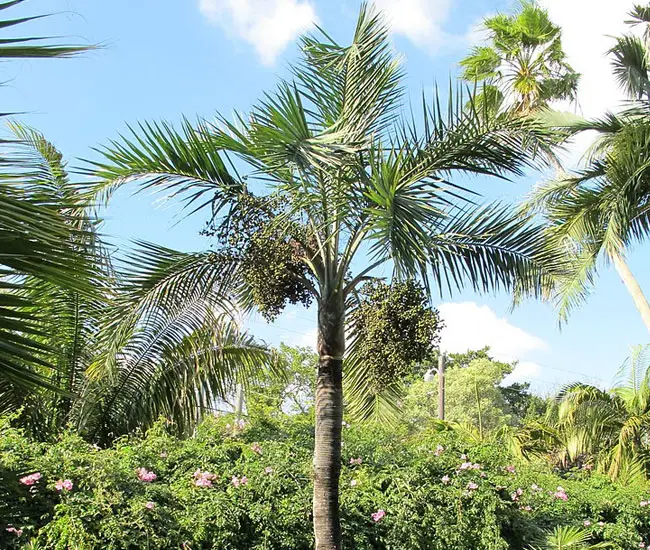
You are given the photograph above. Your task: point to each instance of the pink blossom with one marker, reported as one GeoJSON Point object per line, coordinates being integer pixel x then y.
{"type": "Point", "coordinates": [560, 494]}
{"type": "Point", "coordinates": [642, 544]}
{"type": "Point", "coordinates": [31, 479]}
{"type": "Point", "coordinates": [150, 505]}
{"type": "Point", "coordinates": [471, 486]}
{"type": "Point", "coordinates": [236, 481]}
{"type": "Point", "coordinates": [586, 523]}
{"type": "Point", "coordinates": [63, 484]}
{"type": "Point", "coordinates": [163, 455]}
{"type": "Point", "coordinates": [535, 487]}
{"type": "Point", "coordinates": [439, 450]}
{"type": "Point", "coordinates": [527, 508]}
{"type": "Point", "coordinates": [644, 503]}
{"type": "Point", "coordinates": [268, 470]}
{"type": "Point", "coordinates": [256, 448]}
{"type": "Point", "coordinates": [354, 483]}
{"type": "Point", "coordinates": [465, 466]}
{"type": "Point", "coordinates": [378, 515]}
{"type": "Point", "coordinates": [356, 461]}
{"type": "Point", "coordinates": [445, 480]}
{"type": "Point", "coordinates": [203, 479]}
{"type": "Point", "coordinates": [511, 469]}
{"type": "Point", "coordinates": [244, 480]}
{"type": "Point", "coordinates": [601, 523]}
{"type": "Point", "coordinates": [475, 467]}
{"type": "Point", "coordinates": [520, 491]}
{"type": "Point", "coordinates": [463, 457]}
{"type": "Point", "coordinates": [15, 531]}
{"type": "Point", "coordinates": [146, 475]}
{"type": "Point", "coordinates": [514, 497]}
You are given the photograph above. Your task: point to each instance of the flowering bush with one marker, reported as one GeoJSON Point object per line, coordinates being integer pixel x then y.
{"type": "Point", "coordinates": [249, 487]}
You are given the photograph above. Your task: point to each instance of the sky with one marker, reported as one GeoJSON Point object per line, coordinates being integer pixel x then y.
{"type": "Point", "coordinates": [164, 59]}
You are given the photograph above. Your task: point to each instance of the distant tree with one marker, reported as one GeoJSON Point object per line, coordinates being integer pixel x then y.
{"type": "Point", "coordinates": [472, 396]}
{"type": "Point", "coordinates": [523, 404]}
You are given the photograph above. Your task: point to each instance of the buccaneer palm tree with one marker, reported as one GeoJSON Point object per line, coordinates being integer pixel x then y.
{"type": "Point", "coordinates": [355, 188]}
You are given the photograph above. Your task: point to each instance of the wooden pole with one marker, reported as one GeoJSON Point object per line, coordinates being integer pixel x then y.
{"type": "Point", "coordinates": [442, 359]}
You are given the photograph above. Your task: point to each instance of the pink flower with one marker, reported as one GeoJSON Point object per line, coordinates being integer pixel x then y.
{"type": "Point", "coordinates": [644, 503]}
{"type": "Point", "coordinates": [145, 475]}
{"type": "Point", "coordinates": [356, 461]}
{"type": "Point", "coordinates": [520, 491]}
{"type": "Point", "coordinates": [63, 484]}
{"type": "Point", "coordinates": [445, 480]}
{"type": "Point", "coordinates": [483, 474]}
{"type": "Point", "coordinates": [268, 470]}
{"type": "Point", "coordinates": [586, 523]}
{"type": "Point", "coordinates": [642, 544]}
{"type": "Point", "coordinates": [31, 479]}
{"type": "Point", "coordinates": [514, 497]}
{"type": "Point", "coordinates": [15, 531]}
{"type": "Point", "coordinates": [465, 466]}
{"type": "Point", "coordinates": [378, 515]}
{"type": "Point", "coordinates": [560, 494]}
{"type": "Point", "coordinates": [163, 455]}
{"type": "Point", "coordinates": [472, 486]}
{"type": "Point", "coordinates": [439, 450]}
{"type": "Point", "coordinates": [463, 457]}
{"type": "Point", "coordinates": [203, 479]}
{"type": "Point", "coordinates": [244, 480]}
{"type": "Point", "coordinates": [535, 487]}
{"type": "Point", "coordinates": [601, 523]}
{"type": "Point", "coordinates": [475, 467]}
{"type": "Point", "coordinates": [255, 447]}
{"type": "Point", "coordinates": [527, 508]}
{"type": "Point", "coordinates": [353, 483]}
{"type": "Point", "coordinates": [511, 469]}
{"type": "Point", "coordinates": [150, 505]}
{"type": "Point", "coordinates": [237, 482]}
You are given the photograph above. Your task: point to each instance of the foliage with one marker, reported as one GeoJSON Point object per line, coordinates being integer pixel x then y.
{"type": "Point", "coordinates": [39, 223]}
{"type": "Point", "coordinates": [523, 64]}
{"type": "Point", "coordinates": [395, 328]}
{"type": "Point", "coordinates": [472, 392]}
{"type": "Point", "coordinates": [404, 476]}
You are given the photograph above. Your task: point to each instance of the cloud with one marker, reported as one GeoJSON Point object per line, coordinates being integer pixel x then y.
{"type": "Point", "coordinates": [308, 339]}
{"type": "Point", "coordinates": [268, 25]}
{"type": "Point", "coordinates": [420, 21]}
{"type": "Point", "coordinates": [469, 326]}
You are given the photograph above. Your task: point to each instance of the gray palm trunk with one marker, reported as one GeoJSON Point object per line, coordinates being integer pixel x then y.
{"type": "Point", "coordinates": [329, 419]}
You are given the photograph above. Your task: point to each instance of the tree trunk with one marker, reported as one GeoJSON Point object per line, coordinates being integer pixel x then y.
{"type": "Point", "coordinates": [329, 419]}
{"type": "Point", "coordinates": [630, 282]}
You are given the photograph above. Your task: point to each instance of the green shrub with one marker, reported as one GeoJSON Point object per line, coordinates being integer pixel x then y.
{"type": "Point", "coordinates": [400, 474]}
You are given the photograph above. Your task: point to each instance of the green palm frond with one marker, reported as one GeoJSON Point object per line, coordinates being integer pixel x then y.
{"type": "Point", "coordinates": [630, 64]}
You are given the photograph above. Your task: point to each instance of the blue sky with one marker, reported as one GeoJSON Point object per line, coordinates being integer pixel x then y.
{"type": "Point", "coordinates": [164, 59]}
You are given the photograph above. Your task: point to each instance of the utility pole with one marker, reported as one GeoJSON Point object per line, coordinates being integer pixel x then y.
{"type": "Point", "coordinates": [239, 401]}
{"type": "Point", "coordinates": [442, 360]}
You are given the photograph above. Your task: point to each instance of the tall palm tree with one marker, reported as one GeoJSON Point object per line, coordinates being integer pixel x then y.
{"type": "Point", "coordinates": [523, 66]}
{"type": "Point", "coordinates": [601, 211]}
{"type": "Point", "coordinates": [36, 227]}
{"type": "Point", "coordinates": [360, 187]}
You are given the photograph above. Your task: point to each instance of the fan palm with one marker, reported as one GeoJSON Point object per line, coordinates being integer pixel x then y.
{"type": "Point", "coordinates": [361, 188]}
{"type": "Point", "coordinates": [569, 538]}
{"type": "Point", "coordinates": [523, 66]}
{"type": "Point", "coordinates": [36, 228]}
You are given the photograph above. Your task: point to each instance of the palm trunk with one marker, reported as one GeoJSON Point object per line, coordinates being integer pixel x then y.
{"type": "Point", "coordinates": [329, 418]}
{"type": "Point", "coordinates": [630, 282]}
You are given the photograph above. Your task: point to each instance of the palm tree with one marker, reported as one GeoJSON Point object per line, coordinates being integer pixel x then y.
{"type": "Point", "coordinates": [138, 344]}
{"type": "Point", "coordinates": [611, 426]}
{"type": "Point", "coordinates": [601, 211]}
{"type": "Point", "coordinates": [358, 187]}
{"type": "Point", "coordinates": [36, 229]}
{"type": "Point", "coordinates": [523, 67]}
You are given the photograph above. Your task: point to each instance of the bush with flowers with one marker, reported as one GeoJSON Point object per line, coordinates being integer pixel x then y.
{"type": "Point", "coordinates": [248, 486]}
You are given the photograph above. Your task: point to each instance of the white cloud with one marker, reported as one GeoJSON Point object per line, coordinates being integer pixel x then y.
{"type": "Point", "coordinates": [469, 326]}
{"type": "Point", "coordinates": [420, 21]}
{"type": "Point", "coordinates": [268, 25]}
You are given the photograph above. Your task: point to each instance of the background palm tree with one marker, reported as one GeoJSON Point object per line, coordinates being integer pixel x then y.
{"type": "Point", "coordinates": [523, 66]}
{"type": "Point", "coordinates": [356, 183]}
{"type": "Point", "coordinates": [140, 343]}
{"type": "Point", "coordinates": [37, 228]}
{"type": "Point", "coordinates": [611, 427]}
{"type": "Point", "coordinates": [602, 210]}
